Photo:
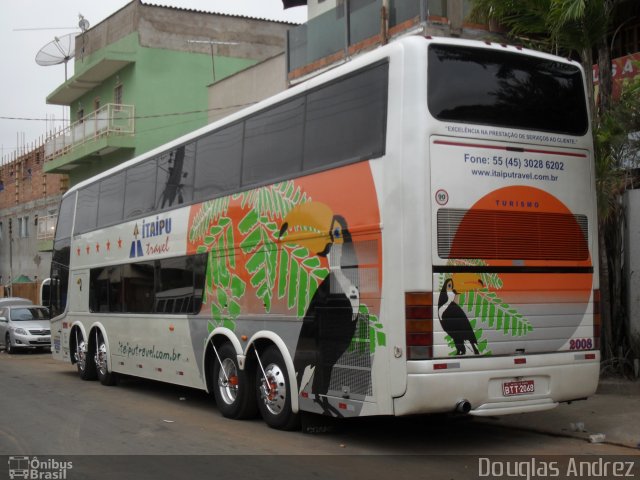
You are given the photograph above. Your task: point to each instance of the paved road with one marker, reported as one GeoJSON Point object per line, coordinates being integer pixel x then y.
{"type": "Point", "coordinates": [46, 410]}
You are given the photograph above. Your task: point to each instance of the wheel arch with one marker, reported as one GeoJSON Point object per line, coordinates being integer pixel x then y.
{"type": "Point", "coordinates": [216, 338]}
{"type": "Point", "coordinates": [260, 341]}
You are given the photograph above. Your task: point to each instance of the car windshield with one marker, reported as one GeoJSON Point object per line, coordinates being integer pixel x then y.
{"type": "Point", "coordinates": [26, 314]}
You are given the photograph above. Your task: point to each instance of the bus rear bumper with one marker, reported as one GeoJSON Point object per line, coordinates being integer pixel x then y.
{"type": "Point", "coordinates": [560, 377]}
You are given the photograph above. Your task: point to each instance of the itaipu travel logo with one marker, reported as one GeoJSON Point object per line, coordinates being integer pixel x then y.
{"type": "Point", "coordinates": [158, 229]}
{"type": "Point", "coordinates": [38, 469]}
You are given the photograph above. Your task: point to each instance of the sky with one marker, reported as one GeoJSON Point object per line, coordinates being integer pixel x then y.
{"type": "Point", "coordinates": [28, 25]}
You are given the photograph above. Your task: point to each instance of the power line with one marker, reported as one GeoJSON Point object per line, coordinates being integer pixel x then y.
{"type": "Point", "coordinates": [136, 117]}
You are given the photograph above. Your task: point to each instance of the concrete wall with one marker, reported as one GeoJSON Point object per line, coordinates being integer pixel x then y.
{"type": "Point", "coordinates": [172, 29]}
{"type": "Point", "coordinates": [247, 87]}
{"type": "Point", "coordinates": [632, 259]}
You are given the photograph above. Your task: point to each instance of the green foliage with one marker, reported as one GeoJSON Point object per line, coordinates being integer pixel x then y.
{"type": "Point", "coordinates": [369, 333]}
{"type": "Point", "coordinates": [494, 313]}
{"type": "Point", "coordinates": [276, 269]}
{"type": "Point", "coordinates": [209, 213]}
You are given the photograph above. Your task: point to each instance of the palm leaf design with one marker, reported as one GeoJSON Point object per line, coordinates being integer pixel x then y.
{"type": "Point", "coordinates": [276, 269]}
{"type": "Point", "coordinates": [487, 310]}
{"type": "Point", "coordinates": [494, 313]}
{"type": "Point", "coordinates": [209, 213]}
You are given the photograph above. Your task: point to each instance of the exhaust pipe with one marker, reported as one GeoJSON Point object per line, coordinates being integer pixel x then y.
{"type": "Point", "coordinates": [463, 406]}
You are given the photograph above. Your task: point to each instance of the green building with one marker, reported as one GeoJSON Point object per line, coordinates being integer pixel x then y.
{"type": "Point", "coordinates": [141, 79]}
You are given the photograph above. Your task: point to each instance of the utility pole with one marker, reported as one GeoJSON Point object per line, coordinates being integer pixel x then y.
{"type": "Point", "coordinates": [10, 257]}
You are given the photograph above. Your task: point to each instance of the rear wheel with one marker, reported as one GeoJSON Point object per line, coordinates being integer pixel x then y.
{"type": "Point", "coordinates": [274, 392]}
{"type": "Point", "coordinates": [85, 362]}
{"type": "Point", "coordinates": [105, 376]}
{"type": "Point", "coordinates": [233, 388]}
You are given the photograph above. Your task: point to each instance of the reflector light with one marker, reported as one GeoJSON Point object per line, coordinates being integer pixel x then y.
{"type": "Point", "coordinates": [597, 321]}
{"type": "Point", "coordinates": [519, 361]}
{"type": "Point", "coordinates": [419, 325]}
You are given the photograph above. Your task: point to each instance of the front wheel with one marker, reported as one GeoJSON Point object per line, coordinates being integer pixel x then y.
{"type": "Point", "coordinates": [8, 347]}
{"type": "Point", "coordinates": [233, 387]}
{"type": "Point", "coordinates": [105, 376]}
{"type": "Point", "coordinates": [85, 362]}
{"type": "Point", "coordinates": [274, 392]}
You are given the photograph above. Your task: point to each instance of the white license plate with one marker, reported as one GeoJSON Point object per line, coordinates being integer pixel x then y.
{"type": "Point", "coordinates": [523, 387]}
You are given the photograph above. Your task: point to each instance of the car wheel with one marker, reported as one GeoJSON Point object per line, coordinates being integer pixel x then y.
{"type": "Point", "coordinates": [233, 388]}
{"type": "Point", "coordinates": [7, 344]}
{"type": "Point", "coordinates": [274, 392]}
{"type": "Point", "coordinates": [85, 361]}
{"type": "Point", "coordinates": [101, 359]}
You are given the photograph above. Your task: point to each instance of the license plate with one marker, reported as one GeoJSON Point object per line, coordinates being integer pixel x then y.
{"type": "Point", "coordinates": [523, 387]}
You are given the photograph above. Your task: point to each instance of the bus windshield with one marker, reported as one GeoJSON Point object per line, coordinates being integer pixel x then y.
{"type": "Point", "coordinates": [505, 89]}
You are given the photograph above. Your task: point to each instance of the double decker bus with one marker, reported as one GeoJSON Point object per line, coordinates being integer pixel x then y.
{"type": "Point", "coordinates": [411, 232]}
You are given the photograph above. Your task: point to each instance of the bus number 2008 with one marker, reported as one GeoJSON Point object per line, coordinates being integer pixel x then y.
{"type": "Point", "coordinates": [581, 344]}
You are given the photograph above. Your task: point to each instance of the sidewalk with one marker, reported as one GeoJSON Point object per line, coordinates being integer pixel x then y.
{"type": "Point", "coordinates": [613, 411]}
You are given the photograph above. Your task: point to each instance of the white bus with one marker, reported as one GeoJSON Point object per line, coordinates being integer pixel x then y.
{"type": "Point", "coordinates": [411, 232]}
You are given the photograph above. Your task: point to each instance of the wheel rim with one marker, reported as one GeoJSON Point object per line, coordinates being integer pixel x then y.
{"type": "Point", "coordinates": [81, 355]}
{"type": "Point", "coordinates": [228, 381]}
{"type": "Point", "coordinates": [101, 359]}
{"type": "Point", "coordinates": [274, 389]}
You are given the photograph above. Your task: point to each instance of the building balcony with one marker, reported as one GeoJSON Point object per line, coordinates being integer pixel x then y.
{"type": "Point", "coordinates": [110, 128]}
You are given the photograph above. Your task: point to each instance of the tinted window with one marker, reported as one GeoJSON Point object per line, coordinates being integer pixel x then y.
{"type": "Point", "coordinates": [172, 285]}
{"type": "Point", "coordinates": [140, 191]}
{"type": "Point", "coordinates": [273, 143]}
{"type": "Point", "coordinates": [175, 177]}
{"type": "Point", "coordinates": [138, 282]}
{"type": "Point", "coordinates": [111, 201]}
{"type": "Point", "coordinates": [484, 86]}
{"type": "Point", "coordinates": [347, 120]}
{"type": "Point", "coordinates": [87, 210]}
{"type": "Point", "coordinates": [219, 158]}
{"type": "Point", "coordinates": [106, 289]}
{"type": "Point", "coordinates": [65, 218]}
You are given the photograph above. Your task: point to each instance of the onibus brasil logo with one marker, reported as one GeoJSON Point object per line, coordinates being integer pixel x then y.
{"type": "Point", "coordinates": [36, 469]}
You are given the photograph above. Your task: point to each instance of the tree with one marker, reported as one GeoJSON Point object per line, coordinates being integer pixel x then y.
{"type": "Point", "coordinates": [577, 29]}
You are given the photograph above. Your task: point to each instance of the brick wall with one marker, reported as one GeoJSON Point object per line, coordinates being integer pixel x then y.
{"type": "Point", "coordinates": [23, 180]}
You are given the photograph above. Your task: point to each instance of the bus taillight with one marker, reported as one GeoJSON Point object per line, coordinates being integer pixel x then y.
{"type": "Point", "coordinates": [596, 319]}
{"type": "Point", "coordinates": [419, 325]}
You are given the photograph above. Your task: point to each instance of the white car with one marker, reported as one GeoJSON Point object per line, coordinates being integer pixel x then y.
{"type": "Point", "coordinates": [24, 327]}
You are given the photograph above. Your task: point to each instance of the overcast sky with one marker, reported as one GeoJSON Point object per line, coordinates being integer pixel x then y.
{"type": "Point", "coordinates": [27, 25]}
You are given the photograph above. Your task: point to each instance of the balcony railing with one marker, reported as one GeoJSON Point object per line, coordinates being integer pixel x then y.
{"type": "Point", "coordinates": [47, 227]}
{"type": "Point", "coordinates": [353, 26]}
{"type": "Point", "coordinates": [111, 119]}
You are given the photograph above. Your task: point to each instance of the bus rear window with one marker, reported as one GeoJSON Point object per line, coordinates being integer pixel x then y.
{"type": "Point", "coordinates": [505, 89]}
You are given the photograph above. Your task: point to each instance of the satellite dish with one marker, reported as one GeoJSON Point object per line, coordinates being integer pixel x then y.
{"type": "Point", "coordinates": [60, 50]}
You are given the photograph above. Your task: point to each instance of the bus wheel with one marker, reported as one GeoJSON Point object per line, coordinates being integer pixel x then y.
{"type": "Point", "coordinates": [105, 376]}
{"type": "Point", "coordinates": [84, 361]}
{"type": "Point", "coordinates": [232, 389]}
{"type": "Point", "coordinates": [274, 392]}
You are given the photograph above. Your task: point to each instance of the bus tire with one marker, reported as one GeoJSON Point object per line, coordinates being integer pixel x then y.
{"type": "Point", "coordinates": [101, 358]}
{"type": "Point", "coordinates": [232, 387]}
{"type": "Point", "coordinates": [85, 361]}
{"type": "Point", "coordinates": [274, 392]}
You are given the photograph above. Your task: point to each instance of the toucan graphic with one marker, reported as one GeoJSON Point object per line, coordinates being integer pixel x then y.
{"type": "Point", "coordinates": [454, 321]}
{"type": "Point", "coordinates": [331, 319]}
